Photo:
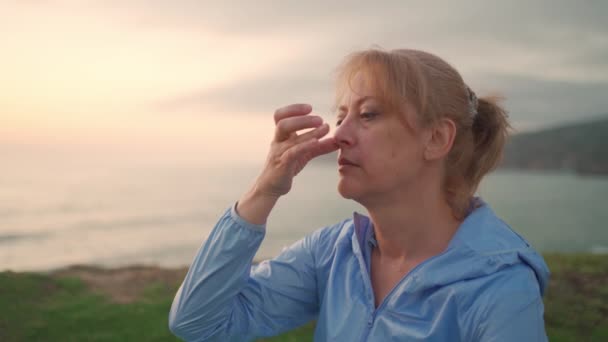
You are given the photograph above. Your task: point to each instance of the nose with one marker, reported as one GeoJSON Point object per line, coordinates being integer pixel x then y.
{"type": "Point", "coordinates": [344, 134]}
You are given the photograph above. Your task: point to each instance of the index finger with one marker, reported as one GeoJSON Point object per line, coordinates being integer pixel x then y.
{"type": "Point", "coordinates": [291, 110]}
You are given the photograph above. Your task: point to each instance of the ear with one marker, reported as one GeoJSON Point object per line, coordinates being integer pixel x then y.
{"type": "Point", "coordinates": [441, 139]}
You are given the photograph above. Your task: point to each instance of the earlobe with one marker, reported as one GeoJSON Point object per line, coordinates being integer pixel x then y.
{"type": "Point", "coordinates": [441, 139]}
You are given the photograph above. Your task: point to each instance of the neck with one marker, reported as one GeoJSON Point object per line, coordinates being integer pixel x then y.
{"type": "Point", "coordinates": [413, 226]}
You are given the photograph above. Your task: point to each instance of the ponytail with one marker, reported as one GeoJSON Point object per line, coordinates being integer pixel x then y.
{"type": "Point", "coordinates": [490, 131]}
{"type": "Point", "coordinates": [477, 151]}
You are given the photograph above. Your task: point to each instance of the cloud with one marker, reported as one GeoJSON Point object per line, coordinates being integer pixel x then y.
{"type": "Point", "coordinates": [531, 102]}
{"type": "Point", "coordinates": [535, 103]}
{"type": "Point", "coordinates": [552, 39]}
{"type": "Point", "coordinates": [533, 52]}
{"type": "Point", "coordinates": [257, 96]}
{"type": "Point", "coordinates": [550, 58]}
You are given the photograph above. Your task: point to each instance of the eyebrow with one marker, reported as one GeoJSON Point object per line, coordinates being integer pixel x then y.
{"type": "Point", "coordinates": [343, 108]}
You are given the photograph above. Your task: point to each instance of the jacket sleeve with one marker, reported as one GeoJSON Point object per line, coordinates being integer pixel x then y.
{"type": "Point", "coordinates": [512, 311]}
{"type": "Point", "coordinates": [223, 298]}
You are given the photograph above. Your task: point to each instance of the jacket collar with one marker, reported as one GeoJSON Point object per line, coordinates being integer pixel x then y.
{"type": "Point", "coordinates": [483, 244]}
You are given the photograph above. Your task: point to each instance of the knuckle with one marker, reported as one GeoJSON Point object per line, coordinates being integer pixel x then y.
{"type": "Point", "coordinates": [291, 154]}
{"type": "Point", "coordinates": [310, 135]}
{"type": "Point", "coordinates": [277, 114]}
{"type": "Point", "coordinates": [281, 126]}
{"type": "Point", "coordinates": [275, 163]}
{"type": "Point", "coordinates": [280, 149]}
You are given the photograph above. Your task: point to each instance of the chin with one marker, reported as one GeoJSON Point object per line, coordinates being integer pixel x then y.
{"type": "Point", "coordinates": [348, 190]}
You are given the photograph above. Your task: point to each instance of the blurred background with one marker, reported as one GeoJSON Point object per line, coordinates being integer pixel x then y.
{"type": "Point", "coordinates": [128, 127]}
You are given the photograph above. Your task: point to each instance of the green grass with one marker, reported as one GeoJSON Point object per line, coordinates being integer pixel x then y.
{"type": "Point", "coordinates": [38, 307]}
{"type": "Point", "coordinates": [576, 304]}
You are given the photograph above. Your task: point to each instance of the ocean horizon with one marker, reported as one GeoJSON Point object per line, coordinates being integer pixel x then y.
{"type": "Point", "coordinates": [160, 215]}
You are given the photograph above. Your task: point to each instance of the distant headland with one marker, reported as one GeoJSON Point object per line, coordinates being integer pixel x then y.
{"type": "Point", "coordinates": [581, 147]}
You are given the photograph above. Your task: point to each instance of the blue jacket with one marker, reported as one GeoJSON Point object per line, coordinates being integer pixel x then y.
{"type": "Point", "coordinates": [486, 286]}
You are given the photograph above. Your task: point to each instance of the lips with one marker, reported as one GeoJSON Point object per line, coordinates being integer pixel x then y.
{"type": "Point", "coordinates": [345, 161]}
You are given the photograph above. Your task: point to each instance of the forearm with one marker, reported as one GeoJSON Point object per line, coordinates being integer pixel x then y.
{"type": "Point", "coordinates": [218, 273]}
{"type": "Point", "coordinates": [255, 206]}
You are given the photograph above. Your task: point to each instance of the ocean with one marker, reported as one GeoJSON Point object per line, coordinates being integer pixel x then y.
{"type": "Point", "coordinates": [61, 215]}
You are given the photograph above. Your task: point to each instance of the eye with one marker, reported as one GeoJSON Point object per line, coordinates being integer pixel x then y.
{"type": "Point", "coordinates": [368, 115]}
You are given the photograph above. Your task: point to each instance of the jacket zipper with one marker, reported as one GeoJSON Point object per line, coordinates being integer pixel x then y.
{"type": "Point", "coordinates": [371, 298]}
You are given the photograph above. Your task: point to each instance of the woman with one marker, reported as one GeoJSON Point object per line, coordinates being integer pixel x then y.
{"type": "Point", "coordinates": [430, 263]}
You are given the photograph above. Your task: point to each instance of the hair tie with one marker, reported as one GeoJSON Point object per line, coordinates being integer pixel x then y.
{"type": "Point", "coordinates": [473, 102]}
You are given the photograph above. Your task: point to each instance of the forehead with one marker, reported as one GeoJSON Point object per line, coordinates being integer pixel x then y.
{"type": "Point", "coordinates": [357, 100]}
{"type": "Point", "coordinates": [360, 88]}
{"type": "Point", "coordinates": [373, 87]}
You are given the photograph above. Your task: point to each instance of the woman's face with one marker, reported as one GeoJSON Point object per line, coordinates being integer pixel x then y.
{"type": "Point", "coordinates": [380, 157]}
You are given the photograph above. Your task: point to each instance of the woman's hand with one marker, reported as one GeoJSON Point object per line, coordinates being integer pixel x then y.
{"type": "Point", "coordinates": [289, 153]}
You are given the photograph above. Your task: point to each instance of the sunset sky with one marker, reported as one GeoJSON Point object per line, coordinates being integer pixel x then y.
{"type": "Point", "coordinates": [192, 80]}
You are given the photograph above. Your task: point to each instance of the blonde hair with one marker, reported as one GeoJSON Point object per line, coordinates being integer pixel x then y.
{"type": "Point", "coordinates": [436, 90]}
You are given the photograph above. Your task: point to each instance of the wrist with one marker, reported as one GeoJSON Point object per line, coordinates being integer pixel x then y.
{"type": "Point", "coordinates": [260, 193]}
{"type": "Point", "coordinates": [255, 206]}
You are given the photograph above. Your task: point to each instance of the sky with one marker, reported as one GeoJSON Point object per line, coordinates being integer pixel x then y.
{"type": "Point", "coordinates": [198, 81]}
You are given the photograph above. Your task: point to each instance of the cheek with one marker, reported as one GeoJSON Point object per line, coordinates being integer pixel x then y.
{"type": "Point", "coordinates": [389, 150]}
{"type": "Point", "coordinates": [382, 156]}
{"type": "Point", "coordinates": [403, 154]}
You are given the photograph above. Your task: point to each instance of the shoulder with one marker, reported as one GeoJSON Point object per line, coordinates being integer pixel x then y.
{"type": "Point", "coordinates": [502, 279]}
{"type": "Point", "coordinates": [484, 232]}
{"type": "Point", "coordinates": [503, 302]}
{"type": "Point", "coordinates": [323, 242]}
{"type": "Point", "coordinates": [513, 281]}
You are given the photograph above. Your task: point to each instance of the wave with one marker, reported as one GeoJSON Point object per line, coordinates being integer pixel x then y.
{"type": "Point", "coordinates": [135, 222]}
